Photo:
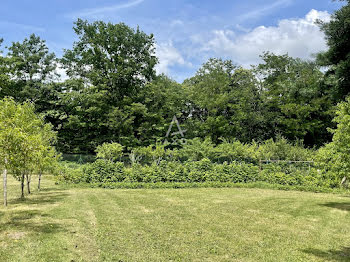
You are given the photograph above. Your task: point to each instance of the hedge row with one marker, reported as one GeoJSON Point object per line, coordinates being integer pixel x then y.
{"type": "Point", "coordinates": [104, 172]}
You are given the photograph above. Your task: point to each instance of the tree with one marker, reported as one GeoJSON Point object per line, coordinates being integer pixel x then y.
{"type": "Point", "coordinates": [108, 67]}
{"type": "Point", "coordinates": [337, 57]}
{"type": "Point", "coordinates": [296, 103]}
{"type": "Point", "coordinates": [224, 102]}
{"type": "Point", "coordinates": [111, 56]}
{"type": "Point", "coordinates": [32, 66]}
{"type": "Point", "coordinates": [23, 134]}
{"type": "Point", "coordinates": [5, 78]}
{"type": "Point", "coordinates": [341, 135]}
{"type": "Point", "coordinates": [334, 157]}
{"type": "Point", "coordinates": [46, 160]}
{"type": "Point", "coordinates": [11, 138]}
{"type": "Point", "coordinates": [163, 99]}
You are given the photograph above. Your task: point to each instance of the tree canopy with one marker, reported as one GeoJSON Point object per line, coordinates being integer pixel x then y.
{"type": "Point", "coordinates": [113, 94]}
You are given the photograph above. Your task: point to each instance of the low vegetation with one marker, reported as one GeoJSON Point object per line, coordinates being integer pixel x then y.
{"type": "Point", "coordinates": [201, 161]}
{"type": "Point", "coordinates": [203, 224]}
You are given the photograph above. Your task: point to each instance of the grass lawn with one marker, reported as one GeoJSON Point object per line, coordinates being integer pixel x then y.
{"type": "Point", "coordinates": [203, 224]}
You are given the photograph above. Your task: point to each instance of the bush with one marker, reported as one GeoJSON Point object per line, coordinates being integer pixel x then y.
{"type": "Point", "coordinates": [110, 151]}
{"type": "Point", "coordinates": [230, 151]}
{"type": "Point", "coordinates": [104, 171]}
{"type": "Point", "coordinates": [281, 149]}
{"type": "Point", "coordinates": [148, 155]}
{"type": "Point", "coordinates": [195, 150]}
{"type": "Point", "coordinates": [71, 173]}
{"type": "Point", "coordinates": [201, 162]}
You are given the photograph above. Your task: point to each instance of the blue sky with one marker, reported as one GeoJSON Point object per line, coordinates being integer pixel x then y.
{"type": "Point", "coordinates": [187, 32]}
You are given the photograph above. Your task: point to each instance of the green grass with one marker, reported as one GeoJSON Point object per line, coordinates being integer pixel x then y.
{"type": "Point", "coordinates": [199, 224]}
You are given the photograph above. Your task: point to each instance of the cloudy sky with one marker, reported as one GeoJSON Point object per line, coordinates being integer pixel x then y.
{"type": "Point", "coordinates": [187, 32]}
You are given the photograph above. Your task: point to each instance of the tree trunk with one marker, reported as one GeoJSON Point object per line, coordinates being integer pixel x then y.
{"type": "Point", "coordinates": [28, 183]}
{"type": "Point", "coordinates": [39, 181]}
{"type": "Point", "coordinates": [5, 184]}
{"type": "Point", "coordinates": [22, 186]}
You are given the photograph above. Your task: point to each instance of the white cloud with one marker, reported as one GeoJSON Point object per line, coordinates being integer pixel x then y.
{"type": "Point", "coordinates": [176, 22]}
{"type": "Point", "coordinates": [257, 13]}
{"type": "Point", "coordinates": [106, 9]}
{"type": "Point", "coordinates": [168, 56]}
{"type": "Point", "coordinates": [297, 37]}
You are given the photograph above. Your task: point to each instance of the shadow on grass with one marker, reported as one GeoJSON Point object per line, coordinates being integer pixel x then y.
{"type": "Point", "coordinates": [331, 255]}
{"type": "Point", "coordinates": [339, 205]}
{"type": "Point", "coordinates": [45, 196]}
{"type": "Point", "coordinates": [32, 220]}
{"type": "Point", "coordinates": [24, 221]}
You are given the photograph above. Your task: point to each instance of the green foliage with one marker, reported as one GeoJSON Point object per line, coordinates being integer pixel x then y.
{"type": "Point", "coordinates": [108, 67]}
{"type": "Point", "coordinates": [25, 141]}
{"type": "Point", "coordinates": [31, 67]}
{"type": "Point", "coordinates": [71, 173]}
{"type": "Point", "coordinates": [229, 151]}
{"type": "Point", "coordinates": [150, 154]}
{"type": "Point", "coordinates": [103, 171]}
{"type": "Point", "coordinates": [243, 165]}
{"type": "Point", "coordinates": [113, 94]}
{"type": "Point", "coordinates": [296, 103]}
{"type": "Point", "coordinates": [224, 102]}
{"type": "Point", "coordinates": [334, 157]}
{"type": "Point", "coordinates": [110, 151]}
{"type": "Point", "coordinates": [281, 149]}
{"type": "Point", "coordinates": [111, 56]}
{"type": "Point", "coordinates": [337, 58]}
{"type": "Point", "coordinates": [236, 151]}
{"type": "Point", "coordinates": [196, 149]}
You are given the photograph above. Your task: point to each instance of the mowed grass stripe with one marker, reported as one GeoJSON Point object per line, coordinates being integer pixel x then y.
{"type": "Point", "coordinates": [203, 224]}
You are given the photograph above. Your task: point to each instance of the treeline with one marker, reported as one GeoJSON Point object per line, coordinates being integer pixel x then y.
{"type": "Point", "coordinates": [112, 93]}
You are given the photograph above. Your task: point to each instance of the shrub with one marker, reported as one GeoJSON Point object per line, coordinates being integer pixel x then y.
{"type": "Point", "coordinates": [70, 172]}
{"type": "Point", "coordinates": [110, 151]}
{"type": "Point", "coordinates": [148, 155]}
{"type": "Point", "coordinates": [159, 170]}
{"type": "Point", "coordinates": [236, 151]}
{"type": "Point", "coordinates": [281, 149]}
{"type": "Point", "coordinates": [196, 149]}
{"type": "Point", "coordinates": [134, 173]}
{"type": "Point", "coordinates": [104, 171]}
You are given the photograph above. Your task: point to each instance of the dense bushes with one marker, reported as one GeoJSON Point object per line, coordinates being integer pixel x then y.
{"type": "Point", "coordinates": [202, 162]}
{"type": "Point", "coordinates": [227, 151]}
{"type": "Point", "coordinates": [105, 172]}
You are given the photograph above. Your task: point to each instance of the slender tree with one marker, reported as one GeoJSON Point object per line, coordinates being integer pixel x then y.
{"type": "Point", "coordinates": [22, 135]}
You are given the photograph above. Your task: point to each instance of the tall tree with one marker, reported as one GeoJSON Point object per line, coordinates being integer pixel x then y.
{"type": "Point", "coordinates": [113, 57]}
{"type": "Point", "coordinates": [297, 103]}
{"type": "Point", "coordinates": [337, 58]}
{"type": "Point", "coordinates": [5, 78]}
{"type": "Point", "coordinates": [224, 101]}
{"type": "Point", "coordinates": [109, 65]}
{"type": "Point", "coordinates": [32, 66]}
{"type": "Point", "coordinates": [163, 99]}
